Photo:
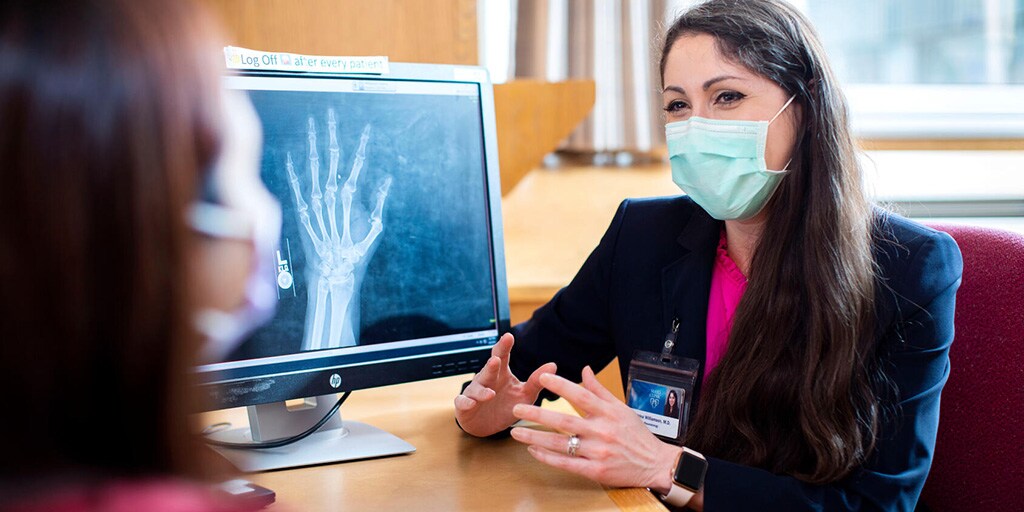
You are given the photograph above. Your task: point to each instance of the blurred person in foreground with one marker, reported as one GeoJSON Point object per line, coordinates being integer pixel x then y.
{"type": "Point", "coordinates": [130, 249]}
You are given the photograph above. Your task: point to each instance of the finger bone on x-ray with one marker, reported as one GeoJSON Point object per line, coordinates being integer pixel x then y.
{"type": "Point", "coordinates": [337, 261]}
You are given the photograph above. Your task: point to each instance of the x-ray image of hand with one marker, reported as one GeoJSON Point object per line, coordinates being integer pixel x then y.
{"type": "Point", "coordinates": [335, 263]}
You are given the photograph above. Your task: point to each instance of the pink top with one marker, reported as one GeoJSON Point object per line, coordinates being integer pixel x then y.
{"type": "Point", "coordinates": [130, 496]}
{"type": "Point", "coordinates": [727, 286]}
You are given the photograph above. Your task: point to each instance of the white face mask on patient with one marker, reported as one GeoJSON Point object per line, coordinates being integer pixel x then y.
{"type": "Point", "coordinates": [246, 211]}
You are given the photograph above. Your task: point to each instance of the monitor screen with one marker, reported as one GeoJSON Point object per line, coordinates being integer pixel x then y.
{"type": "Point", "coordinates": [390, 266]}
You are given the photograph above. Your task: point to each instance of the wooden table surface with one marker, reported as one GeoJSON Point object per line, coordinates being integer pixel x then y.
{"type": "Point", "coordinates": [554, 218]}
{"type": "Point", "coordinates": [449, 470]}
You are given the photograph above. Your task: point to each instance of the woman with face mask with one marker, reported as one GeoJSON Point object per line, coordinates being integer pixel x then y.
{"type": "Point", "coordinates": [130, 249]}
{"type": "Point", "coordinates": [822, 323]}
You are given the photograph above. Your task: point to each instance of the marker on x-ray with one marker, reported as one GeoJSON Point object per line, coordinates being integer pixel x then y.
{"type": "Point", "coordinates": [284, 276]}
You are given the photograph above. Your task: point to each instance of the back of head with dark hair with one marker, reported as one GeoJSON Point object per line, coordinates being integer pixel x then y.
{"type": "Point", "coordinates": [107, 117]}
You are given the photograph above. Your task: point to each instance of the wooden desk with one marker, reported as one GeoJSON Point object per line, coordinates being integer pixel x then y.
{"type": "Point", "coordinates": [449, 470]}
{"type": "Point", "coordinates": [554, 218]}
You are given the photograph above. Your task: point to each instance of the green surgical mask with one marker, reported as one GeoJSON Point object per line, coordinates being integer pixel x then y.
{"type": "Point", "coordinates": [720, 164]}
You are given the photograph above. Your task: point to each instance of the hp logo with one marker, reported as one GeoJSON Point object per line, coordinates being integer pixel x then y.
{"type": "Point", "coordinates": [335, 380]}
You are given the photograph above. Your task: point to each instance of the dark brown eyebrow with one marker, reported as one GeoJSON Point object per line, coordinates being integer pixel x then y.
{"type": "Point", "coordinates": [707, 85]}
{"type": "Point", "coordinates": [715, 80]}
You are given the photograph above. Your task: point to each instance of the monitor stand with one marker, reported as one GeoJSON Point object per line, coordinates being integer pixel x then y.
{"type": "Point", "coordinates": [335, 441]}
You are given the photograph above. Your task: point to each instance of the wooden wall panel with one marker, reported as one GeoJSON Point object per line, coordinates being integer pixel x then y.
{"type": "Point", "coordinates": [533, 118]}
{"type": "Point", "coordinates": [435, 31]}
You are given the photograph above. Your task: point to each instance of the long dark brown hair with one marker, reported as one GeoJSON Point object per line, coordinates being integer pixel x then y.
{"type": "Point", "coordinates": [108, 115]}
{"type": "Point", "coordinates": [795, 392]}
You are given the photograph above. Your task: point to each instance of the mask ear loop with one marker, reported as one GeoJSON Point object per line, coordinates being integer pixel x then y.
{"type": "Point", "coordinates": [783, 109]}
{"type": "Point", "coordinates": [218, 221]}
{"type": "Point", "coordinates": [779, 113]}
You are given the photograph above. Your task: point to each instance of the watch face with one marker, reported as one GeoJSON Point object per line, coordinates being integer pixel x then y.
{"type": "Point", "coordinates": [690, 471]}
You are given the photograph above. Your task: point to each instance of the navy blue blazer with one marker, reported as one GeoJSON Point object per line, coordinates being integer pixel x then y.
{"type": "Point", "coordinates": [654, 264]}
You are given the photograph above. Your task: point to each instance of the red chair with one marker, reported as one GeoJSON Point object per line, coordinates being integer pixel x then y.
{"type": "Point", "coordinates": [979, 454]}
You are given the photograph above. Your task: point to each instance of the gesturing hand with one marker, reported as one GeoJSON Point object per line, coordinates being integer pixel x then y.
{"type": "Point", "coordinates": [615, 448]}
{"type": "Point", "coordinates": [485, 407]}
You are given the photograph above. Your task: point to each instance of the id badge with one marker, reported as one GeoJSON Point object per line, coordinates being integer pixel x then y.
{"type": "Point", "coordinates": [660, 391]}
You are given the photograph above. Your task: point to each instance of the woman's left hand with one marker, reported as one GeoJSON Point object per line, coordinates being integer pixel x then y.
{"type": "Point", "coordinates": [615, 448]}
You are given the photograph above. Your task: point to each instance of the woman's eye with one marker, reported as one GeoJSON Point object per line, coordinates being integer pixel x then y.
{"type": "Point", "coordinates": [728, 97]}
{"type": "Point", "coordinates": [676, 106]}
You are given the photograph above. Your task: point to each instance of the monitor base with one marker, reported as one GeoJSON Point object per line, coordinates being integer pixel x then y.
{"type": "Point", "coordinates": [354, 441]}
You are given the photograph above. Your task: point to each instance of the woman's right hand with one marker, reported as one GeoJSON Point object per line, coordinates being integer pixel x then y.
{"type": "Point", "coordinates": [485, 406]}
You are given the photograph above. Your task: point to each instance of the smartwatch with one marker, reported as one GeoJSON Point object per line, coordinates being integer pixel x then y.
{"type": "Point", "coordinates": [687, 478]}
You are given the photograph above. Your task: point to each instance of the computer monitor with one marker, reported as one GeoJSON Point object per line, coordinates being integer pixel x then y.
{"type": "Point", "coordinates": [390, 264]}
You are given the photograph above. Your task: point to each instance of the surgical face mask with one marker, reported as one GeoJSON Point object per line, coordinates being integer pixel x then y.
{"type": "Point", "coordinates": [720, 164]}
{"type": "Point", "coordinates": [245, 210]}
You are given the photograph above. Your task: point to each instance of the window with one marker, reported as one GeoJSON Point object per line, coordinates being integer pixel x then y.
{"type": "Point", "coordinates": [978, 42]}
{"type": "Point", "coordinates": [931, 69]}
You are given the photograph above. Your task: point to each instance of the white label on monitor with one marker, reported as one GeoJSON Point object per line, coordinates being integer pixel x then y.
{"type": "Point", "coordinates": [470, 74]}
{"type": "Point", "coordinates": [244, 58]}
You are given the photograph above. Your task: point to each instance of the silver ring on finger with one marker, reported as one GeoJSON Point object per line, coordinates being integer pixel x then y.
{"type": "Point", "coordinates": [573, 446]}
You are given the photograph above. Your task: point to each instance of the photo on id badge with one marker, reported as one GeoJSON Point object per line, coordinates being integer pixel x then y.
{"type": "Point", "coordinates": [658, 406]}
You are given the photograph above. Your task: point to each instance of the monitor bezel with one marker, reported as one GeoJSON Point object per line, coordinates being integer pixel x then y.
{"type": "Point", "coordinates": [316, 382]}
